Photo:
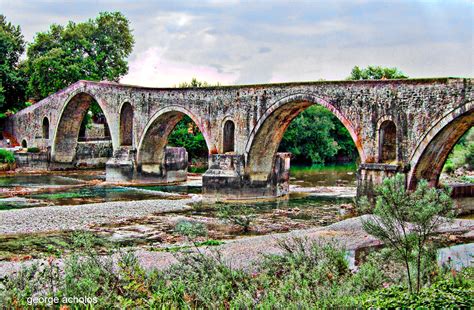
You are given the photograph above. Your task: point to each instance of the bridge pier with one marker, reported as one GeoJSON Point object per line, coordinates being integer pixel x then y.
{"type": "Point", "coordinates": [123, 167]}
{"type": "Point", "coordinates": [370, 175]}
{"type": "Point", "coordinates": [226, 179]}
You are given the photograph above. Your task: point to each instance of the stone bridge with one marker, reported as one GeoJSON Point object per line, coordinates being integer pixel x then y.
{"type": "Point", "coordinates": [406, 126]}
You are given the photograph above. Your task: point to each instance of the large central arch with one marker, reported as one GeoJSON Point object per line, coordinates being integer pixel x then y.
{"type": "Point", "coordinates": [428, 159]}
{"type": "Point", "coordinates": [150, 156]}
{"type": "Point", "coordinates": [66, 134]}
{"type": "Point", "coordinates": [267, 134]}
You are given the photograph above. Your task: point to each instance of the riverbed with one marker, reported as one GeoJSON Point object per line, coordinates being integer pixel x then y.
{"type": "Point", "coordinates": [56, 204]}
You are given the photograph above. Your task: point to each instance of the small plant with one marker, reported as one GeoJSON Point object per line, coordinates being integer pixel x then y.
{"type": "Point", "coordinates": [6, 157]}
{"type": "Point", "coordinates": [33, 149]}
{"type": "Point", "coordinates": [240, 215]}
{"type": "Point", "coordinates": [190, 229]}
{"type": "Point", "coordinates": [404, 221]}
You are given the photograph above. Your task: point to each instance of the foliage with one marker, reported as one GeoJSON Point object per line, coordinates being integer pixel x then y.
{"type": "Point", "coordinates": [186, 134]}
{"type": "Point", "coordinates": [237, 214]}
{"type": "Point", "coordinates": [92, 50]}
{"type": "Point", "coordinates": [190, 229]}
{"type": "Point", "coordinates": [33, 149]}
{"type": "Point", "coordinates": [376, 73]}
{"type": "Point", "coordinates": [462, 154]}
{"type": "Point", "coordinates": [317, 136]}
{"type": "Point", "coordinates": [307, 275]}
{"type": "Point", "coordinates": [12, 79]}
{"type": "Point", "coordinates": [405, 220]}
{"type": "Point", "coordinates": [195, 83]}
{"type": "Point", "coordinates": [6, 157]}
{"type": "Point", "coordinates": [447, 292]}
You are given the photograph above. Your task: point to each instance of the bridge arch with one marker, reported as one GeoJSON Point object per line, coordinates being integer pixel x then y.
{"type": "Point", "coordinates": [266, 136]}
{"type": "Point", "coordinates": [66, 133]}
{"type": "Point", "coordinates": [154, 138]}
{"type": "Point", "coordinates": [428, 159]}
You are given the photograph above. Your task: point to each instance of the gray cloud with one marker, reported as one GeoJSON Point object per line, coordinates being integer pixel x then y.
{"type": "Point", "coordinates": [262, 41]}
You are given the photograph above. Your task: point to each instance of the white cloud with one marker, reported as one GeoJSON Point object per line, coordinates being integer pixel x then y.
{"type": "Point", "coordinates": [152, 68]}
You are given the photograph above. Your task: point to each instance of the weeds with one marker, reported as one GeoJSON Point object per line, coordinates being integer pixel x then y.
{"type": "Point", "coordinates": [307, 275]}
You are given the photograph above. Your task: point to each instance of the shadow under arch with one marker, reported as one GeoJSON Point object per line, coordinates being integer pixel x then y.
{"type": "Point", "coordinates": [66, 133]}
{"type": "Point", "coordinates": [428, 159]}
{"type": "Point", "coordinates": [267, 134]}
{"type": "Point", "coordinates": [150, 151]}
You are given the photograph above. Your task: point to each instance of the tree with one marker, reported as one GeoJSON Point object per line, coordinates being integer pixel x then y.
{"type": "Point", "coordinates": [404, 220]}
{"type": "Point", "coordinates": [376, 73]}
{"type": "Point", "coordinates": [92, 50]}
{"type": "Point", "coordinates": [12, 81]}
{"type": "Point", "coordinates": [187, 135]}
{"type": "Point", "coordinates": [317, 136]}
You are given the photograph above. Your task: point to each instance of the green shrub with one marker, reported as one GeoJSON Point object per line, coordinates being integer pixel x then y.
{"type": "Point", "coordinates": [239, 214]}
{"type": "Point", "coordinates": [6, 157]}
{"type": "Point", "coordinates": [448, 293]}
{"type": "Point", "coordinates": [368, 278]}
{"type": "Point", "coordinates": [449, 166]}
{"type": "Point", "coordinates": [190, 229]}
{"type": "Point", "coordinates": [417, 214]}
{"type": "Point", "coordinates": [33, 149]}
{"type": "Point", "coordinates": [470, 155]}
{"type": "Point", "coordinates": [307, 275]}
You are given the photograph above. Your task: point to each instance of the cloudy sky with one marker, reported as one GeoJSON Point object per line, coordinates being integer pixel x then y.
{"type": "Point", "coordinates": [239, 42]}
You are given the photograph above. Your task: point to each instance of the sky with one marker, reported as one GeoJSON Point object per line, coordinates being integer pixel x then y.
{"type": "Point", "coordinates": [247, 42]}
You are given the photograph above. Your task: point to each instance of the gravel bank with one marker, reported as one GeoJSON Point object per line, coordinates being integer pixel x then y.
{"type": "Point", "coordinates": [246, 253]}
{"type": "Point", "coordinates": [42, 219]}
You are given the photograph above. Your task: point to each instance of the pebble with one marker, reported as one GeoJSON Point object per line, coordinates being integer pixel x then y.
{"type": "Point", "coordinates": [56, 218]}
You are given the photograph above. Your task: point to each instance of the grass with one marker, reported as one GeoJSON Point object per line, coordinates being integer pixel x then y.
{"type": "Point", "coordinates": [41, 245]}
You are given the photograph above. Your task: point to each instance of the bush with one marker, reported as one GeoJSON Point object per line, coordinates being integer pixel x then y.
{"type": "Point", "coordinates": [446, 293]}
{"type": "Point", "coordinates": [405, 220]}
{"type": "Point", "coordinates": [6, 157]}
{"type": "Point", "coordinates": [33, 149]}
{"type": "Point", "coordinates": [190, 229]}
{"type": "Point", "coordinates": [308, 275]}
{"type": "Point", "coordinates": [239, 214]}
{"type": "Point", "coordinates": [449, 167]}
{"type": "Point", "coordinates": [470, 155]}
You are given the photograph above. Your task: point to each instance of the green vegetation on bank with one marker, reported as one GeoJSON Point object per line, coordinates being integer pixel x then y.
{"type": "Point", "coordinates": [462, 155]}
{"type": "Point", "coordinates": [404, 221]}
{"type": "Point", "coordinates": [6, 157]}
{"type": "Point", "coordinates": [307, 275]}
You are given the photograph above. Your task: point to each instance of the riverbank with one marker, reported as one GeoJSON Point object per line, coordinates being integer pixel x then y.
{"type": "Point", "coordinates": [57, 218]}
{"type": "Point", "coordinates": [247, 253]}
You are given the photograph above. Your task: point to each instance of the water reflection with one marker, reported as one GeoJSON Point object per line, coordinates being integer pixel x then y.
{"type": "Point", "coordinates": [327, 175]}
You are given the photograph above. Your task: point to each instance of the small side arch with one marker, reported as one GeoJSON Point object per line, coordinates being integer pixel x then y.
{"type": "Point", "coordinates": [126, 124]}
{"type": "Point", "coordinates": [45, 128]}
{"type": "Point", "coordinates": [228, 136]}
{"type": "Point", "coordinates": [24, 144]}
{"type": "Point", "coordinates": [387, 139]}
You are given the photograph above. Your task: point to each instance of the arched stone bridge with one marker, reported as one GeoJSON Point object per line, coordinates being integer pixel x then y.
{"type": "Point", "coordinates": [408, 126]}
